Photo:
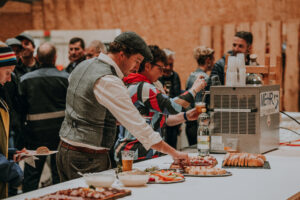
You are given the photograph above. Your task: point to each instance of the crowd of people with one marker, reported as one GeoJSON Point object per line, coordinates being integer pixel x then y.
{"type": "Point", "coordinates": [125, 97]}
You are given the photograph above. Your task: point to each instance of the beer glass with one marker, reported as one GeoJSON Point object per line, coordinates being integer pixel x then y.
{"type": "Point", "coordinates": [200, 107]}
{"type": "Point", "coordinates": [127, 160]}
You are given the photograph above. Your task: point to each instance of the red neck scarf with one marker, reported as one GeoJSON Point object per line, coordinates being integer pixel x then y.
{"type": "Point", "coordinates": [135, 78]}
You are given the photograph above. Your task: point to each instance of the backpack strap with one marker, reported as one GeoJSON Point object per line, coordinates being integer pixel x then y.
{"type": "Point", "coordinates": [142, 109]}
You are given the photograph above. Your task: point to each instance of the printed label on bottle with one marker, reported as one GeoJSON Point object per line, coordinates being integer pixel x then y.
{"type": "Point", "coordinates": [203, 142]}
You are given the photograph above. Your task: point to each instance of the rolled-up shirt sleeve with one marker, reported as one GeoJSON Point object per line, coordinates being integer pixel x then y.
{"type": "Point", "coordinates": [111, 92]}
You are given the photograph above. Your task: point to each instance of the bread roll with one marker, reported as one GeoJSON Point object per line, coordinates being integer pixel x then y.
{"type": "Point", "coordinates": [42, 150]}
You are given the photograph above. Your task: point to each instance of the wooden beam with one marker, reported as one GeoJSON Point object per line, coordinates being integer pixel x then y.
{"type": "Point", "coordinates": [291, 78]}
{"type": "Point", "coordinates": [217, 41]}
{"type": "Point", "coordinates": [275, 30]}
{"type": "Point", "coordinates": [259, 40]}
{"type": "Point", "coordinates": [205, 36]}
{"type": "Point", "coordinates": [229, 31]}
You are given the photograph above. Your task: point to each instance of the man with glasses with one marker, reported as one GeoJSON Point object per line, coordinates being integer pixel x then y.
{"type": "Point", "coordinates": [157, 108]}
{"type": "Point", "coordinates": [171, 83]}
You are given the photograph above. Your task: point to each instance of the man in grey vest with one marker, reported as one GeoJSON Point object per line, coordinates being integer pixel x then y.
{"type": "Point", "coordinates": [96, 99]}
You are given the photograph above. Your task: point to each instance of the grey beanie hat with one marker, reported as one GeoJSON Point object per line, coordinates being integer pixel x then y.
{"type": "Point", "coordinates": [133, 40]}
{"type": "Point", "coordinates": [23, 36]}
{"type": "Point", "coordinates": [13, 41]}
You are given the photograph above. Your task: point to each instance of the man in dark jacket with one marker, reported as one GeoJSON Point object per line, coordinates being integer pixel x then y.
{"type": "Point", "coordinates": [28, 62]}
{"type": "Point", "coordinates": [76, 53]}
{"type": "Point", "coordinates": [242, 43]}
{"type": "Point", "coordinates": [172, 86]}
{"type": "Point", "coordinates": [43, 95]}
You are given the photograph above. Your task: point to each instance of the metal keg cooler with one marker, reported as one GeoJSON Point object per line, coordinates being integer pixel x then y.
{"type": "Point", "coordinates": [250, 114]}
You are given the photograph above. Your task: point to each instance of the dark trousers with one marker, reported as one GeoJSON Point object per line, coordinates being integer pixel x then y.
{"type": "Point", "coordinates": [32, 175]}
{"type": "Point", "coordinates": [171, 135]}
{"type": "Point", "coordinates": [191, 132]}
{"type": "Point", "coordinates": [70, 162]}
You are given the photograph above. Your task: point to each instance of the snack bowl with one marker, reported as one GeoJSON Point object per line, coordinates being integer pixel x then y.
{"type": "Point", "coordinates": [99, 179]}
{"type": "Point", "coordinates": [134, 178]}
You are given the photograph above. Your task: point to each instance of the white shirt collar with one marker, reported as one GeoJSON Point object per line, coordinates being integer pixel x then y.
{"type": "Point", "coordinates": [105, 58]}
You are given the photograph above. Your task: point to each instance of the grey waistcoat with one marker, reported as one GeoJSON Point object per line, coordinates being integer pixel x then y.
{"type": "Point", "coordinates": [86, 121]}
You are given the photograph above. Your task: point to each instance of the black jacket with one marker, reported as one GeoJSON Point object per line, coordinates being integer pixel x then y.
{"type": "Point", "coordinates": [22, 69]}
{"type": "Point", "coordinates": [174, 80]}
{"type": "Point", "coordinates": [43, 91]}
{"type": "Point", "coordinates": [72, 65]}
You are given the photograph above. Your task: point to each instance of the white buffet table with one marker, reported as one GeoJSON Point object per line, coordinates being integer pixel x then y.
{"type": "Point", "coordinates": [279, 182]}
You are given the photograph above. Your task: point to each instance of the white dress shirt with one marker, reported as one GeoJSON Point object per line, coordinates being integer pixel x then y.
{"type": "Point", "coordinates": [111, 92]}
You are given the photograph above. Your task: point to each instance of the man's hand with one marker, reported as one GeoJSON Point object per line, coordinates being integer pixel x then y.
{"type": "Point", "coordinates": [181, 156]}
{"type": "Point", "coordinates": [192, 114]}
{"type": "Point", "coordinates": [199, 84]}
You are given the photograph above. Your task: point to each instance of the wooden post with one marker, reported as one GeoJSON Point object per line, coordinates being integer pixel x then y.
{"type": "Point", "coordinates": [267, 65]}
{"type": "Point", "coordinates": [205, 36]}
{"type": "Point", "coordinates": [275, 30]}
{"type": "Point", "coordinates": [229, 31]}
{"type": "Point", "coordinates": [291, 78]}
{"type": "Point", "coordinates": [259, 40]}
{"type": "Point", "coordinates": [217, 41]}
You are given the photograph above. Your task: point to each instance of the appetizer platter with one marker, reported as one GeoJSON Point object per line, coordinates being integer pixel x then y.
{"type": "Point", "coordinates": [245, 160]}
{"type": "Point", "coordinates": [201, 171]}
{"type": "Point", "coordinates": [165, 176]}
{"type": "Point", "coordinates": [195, 161]}
{"type": "Point", "coordinates": [81, 193]}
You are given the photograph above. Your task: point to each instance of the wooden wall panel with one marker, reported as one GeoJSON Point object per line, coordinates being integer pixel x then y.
{"type": "Point", "coordinates": [259, 31]}
{"type": "Point", "coordinates": [229, 31]}
{"type": "Point", "coordinates": [291, 83]}
{"type": "Point", "coordinates": [275, 40]}
{"type": "Point", "coordinates": [206, 36]}
{"type": "Point", "coordinates": [245, 26]}
{"type": "Point", "coordinates": [217, 42]}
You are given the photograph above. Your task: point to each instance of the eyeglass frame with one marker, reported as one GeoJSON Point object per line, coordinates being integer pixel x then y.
{"type": "Point", "coordinates": [161, 68]}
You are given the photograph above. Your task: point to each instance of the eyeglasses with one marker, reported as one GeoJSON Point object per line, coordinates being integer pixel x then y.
{"type": "Point", "coordinates": [159, 66]}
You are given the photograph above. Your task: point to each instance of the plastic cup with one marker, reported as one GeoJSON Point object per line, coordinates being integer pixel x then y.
{"type": "Point", "coordinates": [127, 160]}
{"type": "Point", "coordinates": [231, 145]}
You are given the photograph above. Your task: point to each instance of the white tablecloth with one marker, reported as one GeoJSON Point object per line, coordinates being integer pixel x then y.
{"type": "Point", "coordinates": [279, 182]}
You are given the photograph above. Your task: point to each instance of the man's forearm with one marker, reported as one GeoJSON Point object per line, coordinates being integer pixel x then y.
{"type": "Point", "coordinates": [174, 120]}
{"type": "Point", "coordinates": [163, 147]}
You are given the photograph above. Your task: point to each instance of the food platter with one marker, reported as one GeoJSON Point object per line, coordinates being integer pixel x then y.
{"type": "Point", "coordinates": [165, 176]}
{"type": "Point", "coordinates": [165, 182]}
{"type": "Point", "coordinates": [265, 166]}
{"type": "Point", "coordinates": [218, 175]}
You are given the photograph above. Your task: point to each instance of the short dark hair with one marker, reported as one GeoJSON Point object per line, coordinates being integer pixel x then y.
{"type": "Point", "coordinates": [116, 47]}
{"type": "Point", "coordinates": [158, 55]}
{"type": "Point", "coordinates": [247, 36]}
{"type": "Point", "coordinates": [77, 39]}
{"type": "Point", "coordinates": [46, 56]}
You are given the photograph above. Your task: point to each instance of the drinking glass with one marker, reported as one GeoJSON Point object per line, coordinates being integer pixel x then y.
{"type": "Point", "coordinates": [127, 160]}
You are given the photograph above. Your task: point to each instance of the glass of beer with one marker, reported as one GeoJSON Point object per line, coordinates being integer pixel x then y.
{"type": "Point", "coordinates": [127, 160]}
{"type": "Point", "coordinates": [200, 107]}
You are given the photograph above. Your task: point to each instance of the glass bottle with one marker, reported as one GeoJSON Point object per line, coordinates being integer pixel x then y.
{"type": "Point", "coordinates": [203, 137]}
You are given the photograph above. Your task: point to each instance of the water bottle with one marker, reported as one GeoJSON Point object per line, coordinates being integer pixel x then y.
{"type": "Point", "coordinates": [203, 138]}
